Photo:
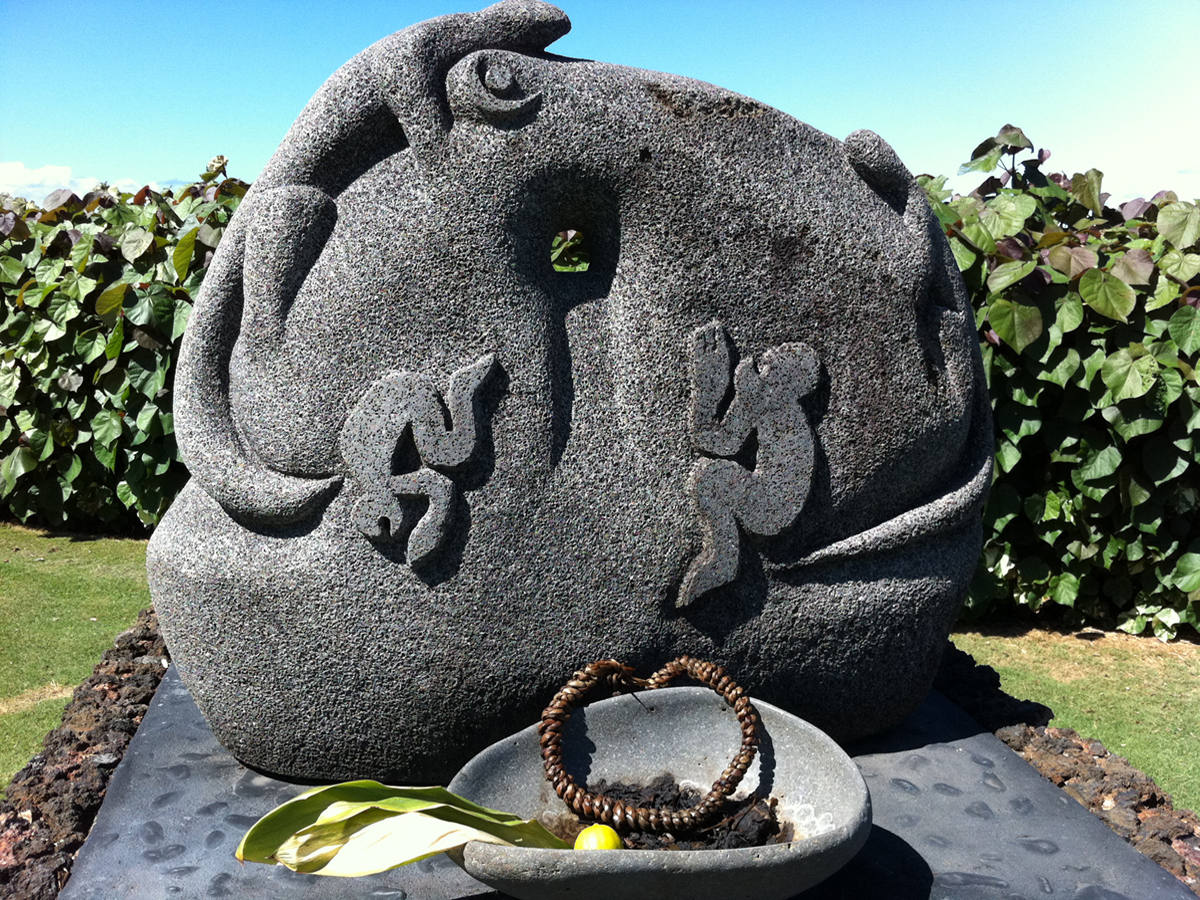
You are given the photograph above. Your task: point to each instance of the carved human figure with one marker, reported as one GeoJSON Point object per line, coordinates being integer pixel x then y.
{"type": "Point", "coordinates": [766, 400]}
{"type": "Point", "coordinates": [445, 434]}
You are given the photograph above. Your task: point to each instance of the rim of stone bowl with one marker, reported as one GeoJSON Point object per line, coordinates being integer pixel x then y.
{"type": "Point", "coordinates": [691, 733]}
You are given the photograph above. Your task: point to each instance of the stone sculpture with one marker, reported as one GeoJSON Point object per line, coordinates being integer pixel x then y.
{"type": "Point", "coordinates": [431, 475]}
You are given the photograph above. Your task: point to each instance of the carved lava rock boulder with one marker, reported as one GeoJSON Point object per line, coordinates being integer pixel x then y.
{"type": "Point", "coordinates": [430, 473]}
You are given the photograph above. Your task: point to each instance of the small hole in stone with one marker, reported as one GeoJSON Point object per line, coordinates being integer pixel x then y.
{"type": "Point", "coordinates": [568, 251]}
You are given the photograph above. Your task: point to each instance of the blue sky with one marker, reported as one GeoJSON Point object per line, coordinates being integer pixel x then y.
{"type": "Point", "coordinates": [137, 91]}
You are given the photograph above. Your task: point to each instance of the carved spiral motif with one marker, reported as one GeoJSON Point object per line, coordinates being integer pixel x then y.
{"type": "Point", "coordinates": [620, 678]}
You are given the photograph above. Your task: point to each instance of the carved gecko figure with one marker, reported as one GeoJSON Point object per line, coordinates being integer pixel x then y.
{"type": "Point", "coordinates": [446, 437]}
{"type": "Point", "coordinates": [766, 400]}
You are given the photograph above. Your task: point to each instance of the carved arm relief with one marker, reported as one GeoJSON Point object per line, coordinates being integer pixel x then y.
{"type": "Point", "coordinates": [405, 406]}
{"type": "Point", "coordinates": [766, 400]}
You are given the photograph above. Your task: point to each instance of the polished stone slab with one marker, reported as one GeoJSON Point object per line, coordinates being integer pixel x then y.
{"type": "Point", "coordinates": [958, 816]}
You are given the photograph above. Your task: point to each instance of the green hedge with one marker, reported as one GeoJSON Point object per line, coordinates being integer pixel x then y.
{"type": "Point", "coordinates": [1090, 332]}
{"type": "Point", "coordinates": [94, 295]}
{"type": "Point", "coordinates": [1088, 323]}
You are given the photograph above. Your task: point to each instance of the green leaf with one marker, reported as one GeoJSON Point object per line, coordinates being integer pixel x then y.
{"type": "Point", "coordinates": [1107, 295]}
{"type": "Point", "coordinates": [181, 256]}
{"type": "Point", "coordinates": [1100, 463]}
{"type": "Point", "coordinates": [77, 286]}
{"type": "Point", "coordinates": [1016, 324]}
{"type": "Point", "coordinates": [1187, 573]}
{"type": "Point", "coordinates": [134, 243]}
{"type": "Point", "coordinates": [145, 379]}
{"type": "Point", "coordinates": [1064, 370]}
{"type": "Point", "coordinates": [1005, 215]}
{"type": "Point", "coordinates": [183, 311]}
{"type": "Point", "coordinates": [90, 344]}
{"type": "Point", "coordinates": [10, 381]}
{"type": "Point", "coordinates": [1166, 293]}
{"type": "Point", "coordinates": [1162, 461]}
{"type": "Point", "coordinates": [1086, 189]}
{"type": "Point", "coordinates": [964, 256]}
{"type": "Point", "coordinates": [16, 464]}
{"type": "Point", "coordinates": [1184, 328]}
{"type": "Point", "coordinates": [1007, 274]}
{"type": "Point", "coordinates": [1007, 455]}
{"type": "Point", "coordinates": [1128, 376]}
{"type": "Point", "coordinates": [979, 237]}
{"type": "Point", "coordinates": [1179, 223]}
{"type": "Point", "coordinates": [111, 301]}
{"type": "Point", "coordinates": [70, 466]}
{"type": "Point", "coordinates": [1069, 312]}
{"type": "Point", "coordinates": [986, 157]}
{"type": "Point", "coordinates": [116, 340]}
{"type": "Point", "coordinates": [62, 309]}
{"type": "Point", "coordinates": [363, 827]}
{"type": "Point", "coordinates": [1165, 623]}
{"type": "Point", "coordinates": [1184, 266]}
{"type": "Point", "coordinates": [107, 426]}
{"type": "Point", "coordinates": [1136, 423]}
{"type": "Point", "coordinates": [12, 270]}
{"type": "Point", "coordinates": [1064, 589]}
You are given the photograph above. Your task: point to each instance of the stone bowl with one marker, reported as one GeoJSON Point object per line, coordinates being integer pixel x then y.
{"type": "Point", "coordinates": [692, 734]}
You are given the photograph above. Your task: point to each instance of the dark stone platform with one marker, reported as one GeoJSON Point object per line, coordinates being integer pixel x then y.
{"type": "Point", "coordinates": [958, 816]}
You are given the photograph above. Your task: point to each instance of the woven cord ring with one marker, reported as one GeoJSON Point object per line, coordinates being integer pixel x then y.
{"type": "Point", "coordinates": [620, 815]}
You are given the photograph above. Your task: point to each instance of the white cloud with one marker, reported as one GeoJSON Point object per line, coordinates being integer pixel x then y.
{"type": "Point", "coordinates": [36, 184]}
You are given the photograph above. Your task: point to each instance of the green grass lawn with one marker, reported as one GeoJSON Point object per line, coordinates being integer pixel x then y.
{"type": "Point", "coordinates": [1137, 695]}
{"type": "Point", "coordinates": [63, 599]}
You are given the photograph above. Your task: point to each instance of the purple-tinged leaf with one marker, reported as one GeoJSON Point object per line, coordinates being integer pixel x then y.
{"type": "Point", "coordinates": [1011, 247]}
{"type": "Point", "coordinates": [1072, 261]}
{"type": "Point", "coordinates": [104, 244]}
{"type": "Point", "coordinates": [1086, 189]}
{"type": "Point", "coordinates": [1043, 155]}
{"type": "Point", "coordinates": [149, 337]}
{"type": "Point", "coordinates": [1135, 267]}
{"type": "Point", "coordinates": [990, 186]}
{"type": "Point", "coordinates": [13, 227]}
{"type": "Point", "coordinates": [1051, 239]}
{"type": "Point", "coordinates": [61, 197]}
{"type": "Point", "coordinates": [1164, 197]}
{"type": "Point", "coordinates": [1133, 209]}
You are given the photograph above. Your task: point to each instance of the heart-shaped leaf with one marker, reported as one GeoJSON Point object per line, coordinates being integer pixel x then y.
{"type": "Point", "coordinates": [1179, 223]}
{"type": "Point", "coordinates": [1106, 294]}
{"type": "Point", "coordinates": [1016, 324]}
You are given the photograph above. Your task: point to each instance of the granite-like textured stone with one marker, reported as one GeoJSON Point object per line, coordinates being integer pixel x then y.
{"type": "Point", "coordinates": [754, 430]}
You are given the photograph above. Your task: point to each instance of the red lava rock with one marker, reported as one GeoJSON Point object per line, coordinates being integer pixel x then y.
{"type": "Point", "coordinates": [1125, 799]}
{"type": "Point", "coordinates": [49, 808]}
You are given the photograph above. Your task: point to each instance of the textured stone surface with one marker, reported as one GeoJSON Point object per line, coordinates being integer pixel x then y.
{"type": "Point", "coordinates": [754, 430]}
{"type": "Point", "coordinates": [957, 816]}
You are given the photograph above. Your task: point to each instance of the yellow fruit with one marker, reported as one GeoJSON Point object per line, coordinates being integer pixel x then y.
{"type": "Point", "coordinates": [598, 837]}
